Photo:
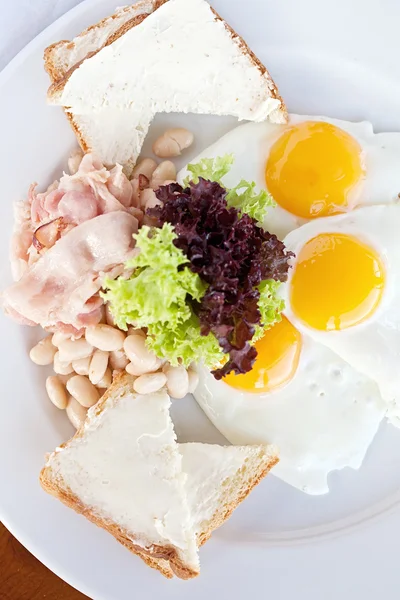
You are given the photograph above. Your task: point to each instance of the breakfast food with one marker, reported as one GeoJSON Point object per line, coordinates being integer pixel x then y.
{"type": "Point", "coordinates": [111, 99]}
{"type": "Point", "coordinates": [89, 191]}
{"type": "Point", "coordinates": [165, 334]}
{"type": "Point", "coordinates": [349, 265]}
{"type": "Point", "coordinates": [313, 167]}
{"type": "Point", "coordinates": [172, 142]}
{"type": "Point", "coordinates": [85, 367]}
{"type": "Point", "coordinates": [320, 412]}
{"type": "Point", "coordinates": [90, 250]}
{"type": "Point", "coordinates": [219, 270]}
{"type": "Point", "coordinates": [299, 394]}
{"type": "Point", "coordinates": [125, 472]}
{"type": "Point", "coordinates": [262, 278]}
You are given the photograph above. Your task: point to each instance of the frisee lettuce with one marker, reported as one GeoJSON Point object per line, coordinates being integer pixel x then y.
{"type": "Point", "coordinates": [270, 305]}
{"type": "Point", "coordinates": [243, 197]}
{"type": "Point", "coordinates": [212, 169]}
{"type": "Point", "coordinates": [157, 290]}
{"type": "Point", "coordinates": [159, 294]}
{"type": "Point", "coordinates": [156, 296]}
{"type": "Point", "coordinates": [184, 344]}
{"type": "Point", "coordinates": [246, 200]}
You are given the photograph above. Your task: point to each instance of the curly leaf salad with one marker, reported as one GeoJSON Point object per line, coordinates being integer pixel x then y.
{"type": "Point", "coordinates": [205, 282]}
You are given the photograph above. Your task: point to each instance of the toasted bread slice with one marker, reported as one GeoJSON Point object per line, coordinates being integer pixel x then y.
{"type": "Point", "coordinates": [62, 56]}
{"type": "Point", "coordinates": [219, 479]}
{"type": "Point", "coordinates": [123, 471]}
{"type": "Point", "coordinates": [98, 474]}
{"type": "Point", "coordinates": [190, 60]}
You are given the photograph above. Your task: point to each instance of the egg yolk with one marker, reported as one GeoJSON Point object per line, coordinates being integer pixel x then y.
{"type": "Point", "coordinates": [337, 282]}
{"type": "Point", "coordinates": [276, 362]}
{"type": "Point", "coordinates": [315, 169]}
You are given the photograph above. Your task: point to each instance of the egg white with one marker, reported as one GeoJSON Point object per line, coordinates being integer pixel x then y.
{"type": "Point", "coordinates": [251, 144]}
{"type": "Point", "coordinates": [373, 346]}
{"type": "Point", "coordinates": [324, 419]}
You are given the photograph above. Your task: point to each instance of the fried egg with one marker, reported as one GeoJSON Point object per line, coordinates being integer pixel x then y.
{"type": "Point", "coordinates": [313, 166]}
{"type": "Point", "coordinates": [316, 387]}
{"type": "Point", "coordinates": [319, 411]}
{"type": "Point", "coordinates": [344, 291]}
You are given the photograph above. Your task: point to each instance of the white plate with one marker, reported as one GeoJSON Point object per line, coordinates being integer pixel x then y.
{"type": "Point", "coordinates": [335, 58]}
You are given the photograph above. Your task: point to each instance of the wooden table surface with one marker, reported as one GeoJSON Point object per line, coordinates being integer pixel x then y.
{"type": "Point", "coordinates": [22, 577]}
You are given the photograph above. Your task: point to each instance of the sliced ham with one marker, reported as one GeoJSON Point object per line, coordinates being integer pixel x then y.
{"type": "Point", "coordinates": [59, 288]}
{"type": "Point", "coordinates": [78, 205]}
{"type": "Point", "coordinates": [75, 160]}
{"type": "Point", "coordinates": [48, 234]}
{"type": "Point", "coordinates": [120, 186]}
{"type": "Point", "coordinates": [21, 239]}
{"type": "Point", "coordinates": [89, 191]}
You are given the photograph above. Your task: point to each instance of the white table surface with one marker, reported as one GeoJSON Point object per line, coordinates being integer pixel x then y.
{"type": "Point", "coordinates": [22, 20]}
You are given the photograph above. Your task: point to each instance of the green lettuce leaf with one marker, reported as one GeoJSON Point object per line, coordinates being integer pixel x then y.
{"type": "Point", "coordinates": [157, 290]}
{"type": "Point", "coordinates": [212, 169]}
{"type": "Point", "coordinates": [184, 344]}
{"type": "Point", "coordinates": [270, 305]}
{"type": "Point", "coordinates": [245, 199]}
{"type": "Point", "coordinates": [156, 296]}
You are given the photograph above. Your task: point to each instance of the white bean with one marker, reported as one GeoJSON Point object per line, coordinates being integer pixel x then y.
{"type": "Point", "coordinates": [76, 412]}
{"type": "Point", "coordinates": [193, 380]}
{"type": "Point", "coordinates": [142, 359]}
{"type": "Point", "coordinates": [106, 380]}
{"type": "Point", "coordinates": [43, 353]}
{"type": "Point", "coordinates": [61, 367]}
{"type": "Point", "coordinates": [135, 192]}
{"type": "Point", "coordinates": [74, 350]}
{"type": "Point", "coordinates": [172, 142]}
{"type": "Point", "coordinates": [148, 199]}
{"type": "Point", "coordinates": [81, 366]}
{"type": "Point", "coordinates": [98, 366]}
{"type": "Point", "coordinates": [102, 315]}
{"type": "Point", "coordinates": [145, 167]}
{"type": "Point", "coordinates": [59, 337]}
{"type": "Point", "coordinates": [165, 170]}
{"type": "Point", "coordinates": [105, 337]}
{"type": "Point", "coordinates": [118, 360]}
{"type": "Point", "coordinates": [149, 383]}
{"type": "Point", "coordinates": [109, 317]}
{"type": "Point", "coordinates": [56, 392]}
{"type": "Point", "coordinates": [83, 390]}
{"type": "Point", "coordinates": [177, 381]}
{"type": "Point", "coordinates": [133, 331]}
{"type": "Point", "coordinates": [65, 378]}
{"type": "Point", "coordinates": [138, 184]}
{"type": "Point", "coordinates": [132, 370]}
